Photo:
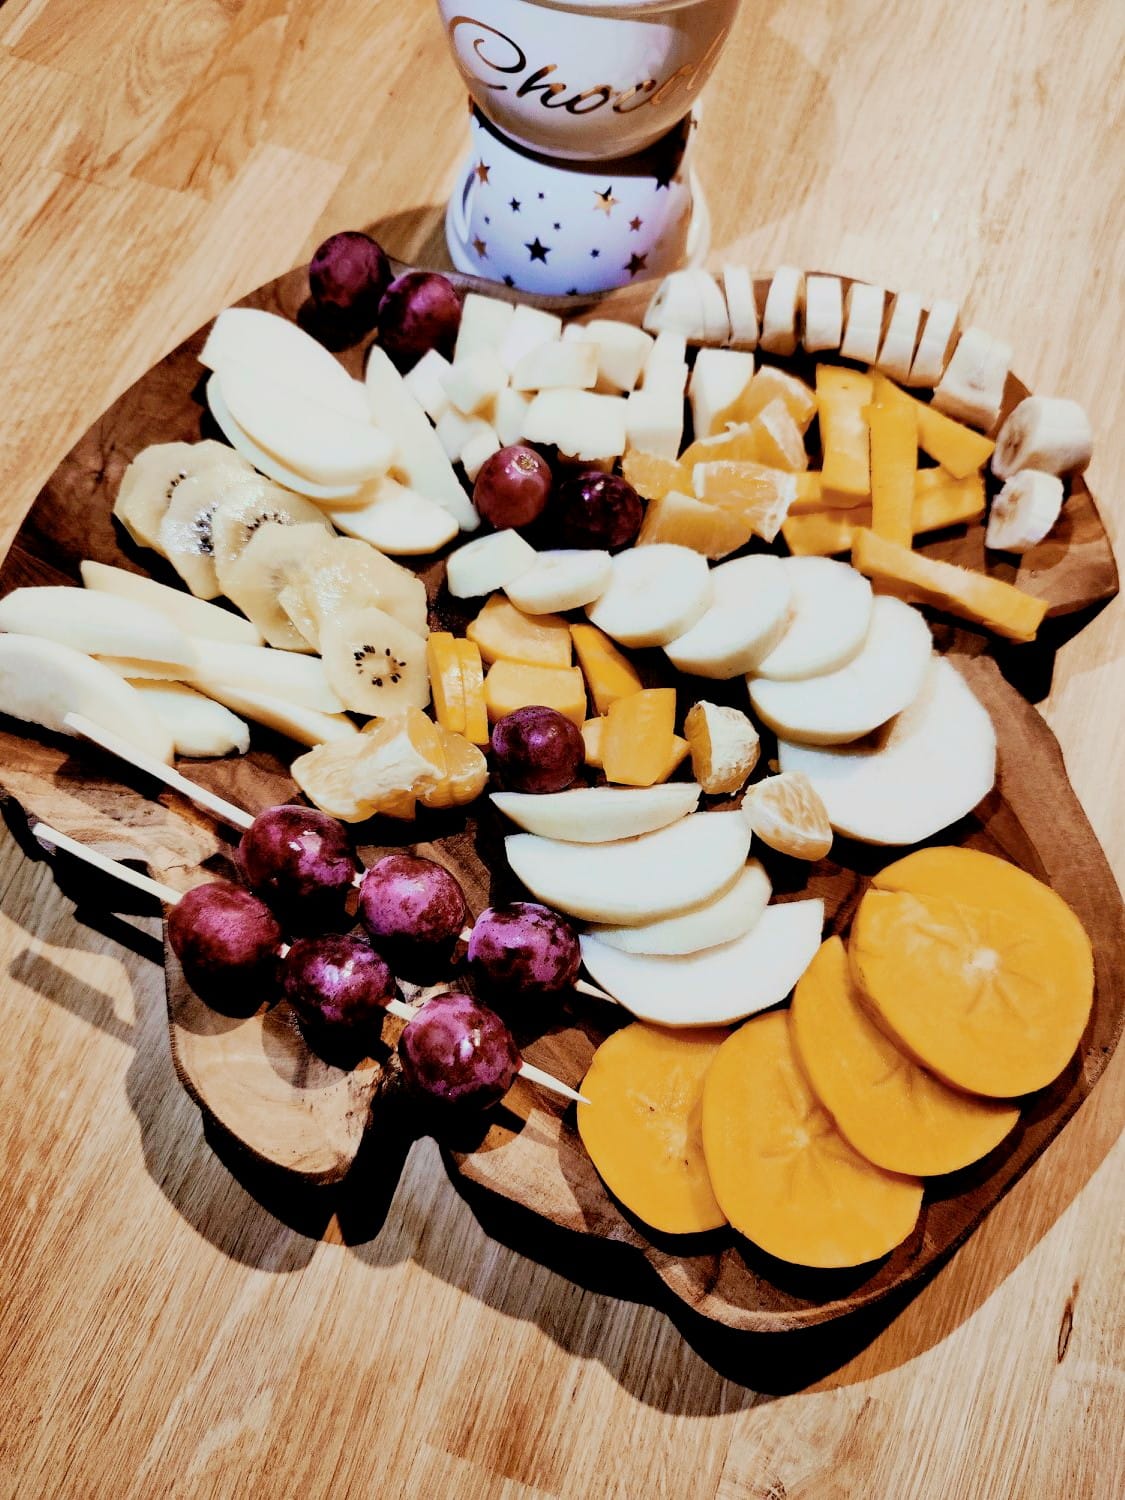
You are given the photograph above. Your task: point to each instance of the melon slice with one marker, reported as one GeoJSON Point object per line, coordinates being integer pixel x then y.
{"type": "Point", "coordinates": [599, 815]}
{"type": "Point", "coordinates": [641, 1125]}
{"type": "Point", "coordinates": [782, 1173]}
{"type": "Point", "coordinates": [724, 918]}
{"type": "Point", "coordinates": [892, 1111]}
{"type": "Point", "coordinates": [840, 706]}
{"type": "Point", "coordinates": [831, 613]}
{"type": "Point", "coordinates": [930, 766]}
{"type": "Point", "coordinates": [716, 985]}
{"type": "Point", "coordinates": [634, 880]}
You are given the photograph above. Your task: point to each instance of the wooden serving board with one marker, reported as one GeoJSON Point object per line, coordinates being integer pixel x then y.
{"type": "Point", "coordinates": [258, 1082]}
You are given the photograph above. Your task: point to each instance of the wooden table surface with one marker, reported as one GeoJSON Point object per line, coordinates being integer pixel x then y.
{"type": "Point", "coordinates": [161, 1331]}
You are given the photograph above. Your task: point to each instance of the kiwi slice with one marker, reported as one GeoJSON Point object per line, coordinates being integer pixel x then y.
{"type": "Point", "coordinates": [375, 663]}
{"type": "Point", "coordinates": [349, 575]}
{"type": "Point", "coordinates": [150, 481]}
{"type": "Point", "coordinates": [241, 511]}
{"type": "Point", "coordinates": [271, 560]}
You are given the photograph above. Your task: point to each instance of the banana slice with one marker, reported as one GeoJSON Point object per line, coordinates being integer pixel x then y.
{"type": "Point", "coordinates": [42, 681]}
{"type": "Point", "coordinates": [200, 727]}
{"type": "Point", "coordinates": [273, 558]}
{"type": "Point", "coordinates": [1024, 511]}
{"type": "Point", "coordinates": [655, 594]}
{"type": "Point", "coordinates": [286, 675]}
{"type": "Point", "coordinates": [283, 352]}
{"type": "Point", "coordinates": [781, 318]}
{"type": "Point", "coordinates": [831, 614]}
{"type": "Point", "coordinates": [240, 511]}
{"type": "Point", "coordinates": [896, 353]}
{"type": "Point", "coordinates": [863, 322]}
{"type": "Point", "coordinates": [194, 616]}
{"type": "Point", "coordinates": [308, 726]}
{"type": "Point", "coordinates": [266, 463]}
{"type": "Point", "coordinates": [491, 562]}
{"type": "Point", "coordinates": [972, 388]}
{"type": "Point", "coordinates": [1045, 433]}
{"type": "Point", "coordinates": [148, 484]}
{"type": "Point", "coordinates": [96, 623]}
{"type": "Point", "coordinates": [824, 313]}
{"type": "Point", "coordinates": [742, 309]}
{"type": "Point", "coordinates": [558, 580]}
{"type": "Point", "coordinates": [935, 345]}
{"type": "Point", "coordinates": [373, 662]}
{"type": "Point", "coordinates": [690, 303]}
{"type": "Point", "coordinates": [725, 918]}
{"type": "Point", "coordinates": [350, 574]}
{"type": "Point", "coordinates": [748, 616]}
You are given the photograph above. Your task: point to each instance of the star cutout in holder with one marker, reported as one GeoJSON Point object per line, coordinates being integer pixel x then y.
{"type": "Point", "coordinates": [635, 224]}
{"type": "Point", "coordinates": [538, 251]}
{"type": "Point", "coordinates": [605, 201]}
{"type": "Point", "coordinates": [636, 263]}
{"type": "Point", "coordinates": [480, 247]}
{"type": "Point", "coordinates": [514, 205]}
{"type": "Point", "coordinates": [481, 171]}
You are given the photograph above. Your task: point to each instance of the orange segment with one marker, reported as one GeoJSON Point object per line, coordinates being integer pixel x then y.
{"type": "Point", "coordinates": [651, 476]}
{"type": "Point", "coordinates": [772, 384]}
{"type": "Point", "coordinates": [466, 774]}
{"type": "Point", "coordinates": [738, 443]}
{"type": "Point", "coordinates": [639, 733]}
{"type": "Point", "coordinates": [778, 439]}
{"type": "Point", "coordinates": [781, 1172]}
{"type": "Point", "coordinates": [892, 1111]}
{"type": "Point", "coordinates": [609, 675]}
{"type": "Point", "coordinates": [786, 813]}
{"type": "Point", "coordinates": [707, 529]}
{"type": "Point", "coordinates": [761, 494]}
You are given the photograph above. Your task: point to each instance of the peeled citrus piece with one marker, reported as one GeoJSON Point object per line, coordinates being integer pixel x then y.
{"type": "Point", "coordinates": [466, 773]}
{"type": "Point", "coordinates": [651, 476]}
{"type": "Point", "coordinates": [782, 1173]}
{"type": "Point", "coordinates": [979, 971]}
{"type": "Point", "coordinates": [772, 384]}
{"type": "Point", "coordinates": [892, 1111]}
{"type": "Point", "coordinates": [786, 813]}
{"type": "Point", "coordinates": [760, 493]}
{"type": "Point", "coordinates": [778, 438]}
{"type": "Point", "coordinates": [736, 444]}
{"type": "Point", "coordinates": [642, 1124]}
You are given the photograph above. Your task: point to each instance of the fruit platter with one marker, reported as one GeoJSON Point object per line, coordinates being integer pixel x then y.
{"type": "Point", "coordinates": [585, 733]}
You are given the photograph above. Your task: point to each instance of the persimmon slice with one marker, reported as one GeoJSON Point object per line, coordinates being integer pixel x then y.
{"type": "Point", "coordinates": [975, 968]}
{"type": "Point", "coordinates": [642, 1124]}
{"type": "Point", "coordinates": [783, 1174]}
{"type": "Point", "coordinates": [892, 1111]}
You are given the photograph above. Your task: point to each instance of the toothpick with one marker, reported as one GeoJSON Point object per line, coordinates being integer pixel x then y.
{"type": "Point", "coordinates": [235, 816]}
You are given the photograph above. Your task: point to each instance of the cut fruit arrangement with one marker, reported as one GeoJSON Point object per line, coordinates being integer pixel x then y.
{"type": "Point", "coordinates": [624, 572]}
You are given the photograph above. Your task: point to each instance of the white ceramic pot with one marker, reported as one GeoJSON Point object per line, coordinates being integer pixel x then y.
{"type": "Point", "coordinates": [586, 79]}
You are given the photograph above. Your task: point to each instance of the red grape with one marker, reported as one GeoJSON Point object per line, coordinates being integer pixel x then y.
{"type": "Point", "coordinates": [512, 487]}
{"type": "Point", "coordinates": [301, 862]}
{"type": "Point", "coordinates": [227, 941]}
{"type": "Point", "coordinates": [523, 949]}
{"type": "Point", "coordinates": [413, 904]}
{"type": "Point", "coordinates": [339, 987]}
{"type": "Point", "coordinates": [458, 1052]}
{"type": "Point", "coordinates": [419, 311]}
{"type": "Point", "coordinates": [348, 275]}
{"type": "Point", "coordinates": [537, 750]}
{"type": "Point", "coordinates": [598, 510]}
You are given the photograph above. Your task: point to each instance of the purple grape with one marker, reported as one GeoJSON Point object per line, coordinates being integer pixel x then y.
{"type": "Point", "coordinates": [348, 275]}
{"type": "Point", "coordinates": [301, 862]}
{"type": "Point", "coordinates": [227, 941]}
{"type": "Point", "coordinates": [457, 1052]}
{"type": "Point", "coordinates": [339, 986]}
{"type": "Point", "coordinates": [419, 311]}
{"type": "Point", "coordinates": [598, 510]}
{"type": "Point", "coordinates": [537, 750]}
{"type": "Point", "coordinates": [413, 904]}
{"type": "Point", "coordinates": [512, 487]}
{"type": "Point", "coordinates": [523, 949]}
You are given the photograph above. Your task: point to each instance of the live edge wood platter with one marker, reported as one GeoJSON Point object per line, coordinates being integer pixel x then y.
{"type": "Point", "coordinates": [258, 1082]}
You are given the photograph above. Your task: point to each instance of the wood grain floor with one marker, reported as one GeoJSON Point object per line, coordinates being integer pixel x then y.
{"type": "Point", "coordinates": [162, 1333]}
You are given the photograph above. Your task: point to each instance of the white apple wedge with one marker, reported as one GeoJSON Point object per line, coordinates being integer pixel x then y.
{"type": "Point", "coordinates": [930, 766]}
{"type": "Point", "coordinates": [260, 669]}
{"type": "Point", "coordinates": [245, 446]}
{"type": "Point", "coordinates": [282, 351]}
{"type": "Point", "coordinates": [396, 520]}
{"type": "Point", "coordinates": [599, 815]}
{"type": "Point", "coordinates": [42, 681]}
{"type": "Point", "coordinates": [308, 726]}
{"type": "Point", "coordinates": [634, 880]}
{"type": "Point", "coordinates": [831, 613]}
{"type": "Point", "coordinates": [98, 624]}
{"type": "Point", "coordinates": [724, 918]}
{"type": "Point", "coordinates": [844, 705]}
{"type": "Point", "coordinates": [718, 985]}
{"type": "Point", "coordinates": [560, 580]}
{"type": "Point", "coordinates": [192, 615]}
{"type": "Point", "coordinates": [200, 727]}
{"type": "Point", "coordinates": [748, 615]}
{"type": "Point", "coordinates": [656, 593]}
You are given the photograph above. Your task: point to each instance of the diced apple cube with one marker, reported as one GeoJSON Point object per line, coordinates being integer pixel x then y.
{"type": "Point", "coordinates": [456, 432]}
{"type": "Point", "coordinates": [719, 378]}
{"type": "Point", "coordinates": [622, 352]}
{"type": "Point", "coordinates": [666, 365]}
{"type": "Point", "coordinates": [484, 325]}
{"type": "Point", "coordinates": [654, 422]}
{"type": "Point", "coordinates": [509, 415]}
{"type": "Point", "coordinates": [480, 447]}
{"type": "Point", "coordinates": [580, 424]}
{"type": "Point", "coordinates": [557, 366]}
{"type": "Point", "coordinates": [473, 383]}
{"type": "Point", "coordinates": [424, 382]}
{"type": "Point", "coordinates": [529, 328]}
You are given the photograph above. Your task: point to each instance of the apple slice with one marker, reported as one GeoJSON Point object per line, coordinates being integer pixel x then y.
{"type": "Point", "coordinates": [622, 351]}
{"type": "Point", "coordinates": [484, 324]}
{"type": "Point", "coordinates": [656, 593]}
{"type": "Point", "coordinates": [635, 880]}
{"type": "Point", "coordinates": [560, 580]}
{"type": "Point", "coordinates": [42, 681]}
{"type": "Point", "coordinates": [559, 366]}
{"type": "Point", "coordinates": [724, 918]}
{"type": "Point", "coordinates": [599, 814]}
{"type": "Point", "coordinates": [308, 726]}
{"type": "Point", "coordinates": [930, 766]}
{"type": "Point", "coordinates": [718, 985]}
{"type": "Point", "coordinates": [261, 669]}
{"type": "Point", "coordinates": [831, 614]}
{"type": "Point", "coordinates": [195, 616]}
{"type": "Point", "coordinates": [200, 727]}
{"type": "Point", "coordinates": [491, 562]}
{"type": "Point", "coordinates": [397, 520]}
{"type": "Point", "coordinates": [747, 617]}
{"type": "Point", "coordinates": [98, 624]}
{"type": "Point", "coordinates": [244, 445]}
{"type": "Point", "coordinates": [844, 705]}
{"type": "Point", "coordinates": [283, 352]}
{"type": "Point", "coordinates": [580, 424]}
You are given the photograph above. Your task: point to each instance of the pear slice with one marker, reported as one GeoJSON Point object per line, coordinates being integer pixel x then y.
{"type": "Point", "coordinates": [195, 616]}
{"type": "Point", "coordinates": [373, 662]}
{"type": "Point", "coordinates": [96, 624]}
{"type": "Point", "coordinates": [928, 767]}
{"type": "Point", "coordinates": [240, 511]}
{"type": "Point", "coordinates": [747, 617]}
{"type": "Point", "coordinates": [274, 557]}
{"type": "Point", "coordinates": [266, 463]}
{"type": "Point", "coordinates": [42, 681]}
{"type": "Point", "coordinates": [349, 574]}
{"type": "Point", "coordinates": [283, 352]}
{"type": "Point", "coordinates": [656, 593]}
{"type": "Point", "coordinates": [308, 726]}
{"type": "Point", "coordinates": [148, 484]}
{"type": "Point", "coordinates": [844, 705]}
{"type": "Point", "coordinates": [200, 727]}
{"type": "Point", "coordinates": [718, 985]}
{"type": "Point", "coordinates": [724, 918]}
{"type": "Point", "coordinates": [261, 669]}
{"type": "Point", "coordinates": [634, 880]}
{"type": "Point", "coordinates": [396, 520]}
{"type": "Point", "coordinates": [831, 613]}
{"type": "Point", "coordinates": [599, 815]}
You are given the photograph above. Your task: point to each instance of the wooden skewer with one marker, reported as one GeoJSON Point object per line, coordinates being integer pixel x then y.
{"type": "Point", "coordinates": [45, 834]}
